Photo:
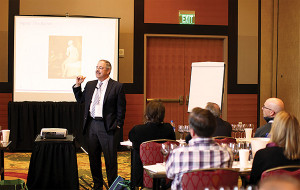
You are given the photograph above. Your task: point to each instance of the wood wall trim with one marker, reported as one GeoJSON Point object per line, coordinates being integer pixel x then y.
{"type": "Point", "coordinates": [184, 36]}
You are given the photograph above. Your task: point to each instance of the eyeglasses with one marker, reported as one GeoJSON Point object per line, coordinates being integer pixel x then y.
{"type": "Point", "coordinates": [264, 107]}
{"type": "Point", "coordinates": [101, 68]}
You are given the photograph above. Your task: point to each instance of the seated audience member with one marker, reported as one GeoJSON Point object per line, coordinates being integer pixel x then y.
{"type": "Point", "coordinates": [279, 182]}
{"type": "Point", "coordinates": [154, 128]}
{"type": "Point", "coordinates": [202, 152]}
{"type": "Point", "coordinates": [285, 149]}
{"type": "Point", "coordinates": [271, 107]}
{"type": "Point", "coordinates": [223, 127]}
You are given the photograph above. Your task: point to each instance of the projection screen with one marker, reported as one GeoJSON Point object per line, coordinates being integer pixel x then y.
{"type": "Point", "coordinates": [49, 52]}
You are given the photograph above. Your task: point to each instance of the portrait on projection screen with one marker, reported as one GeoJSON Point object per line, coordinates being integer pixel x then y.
{"type": "Point", "coordinates": [64, 58]}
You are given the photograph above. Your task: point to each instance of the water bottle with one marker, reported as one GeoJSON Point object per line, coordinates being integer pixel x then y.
{"type": "Point", "coordinates": [173, 125]}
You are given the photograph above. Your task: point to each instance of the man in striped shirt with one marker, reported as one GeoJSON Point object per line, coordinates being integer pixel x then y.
{"type": "Point", "coordinates": [202, 151]}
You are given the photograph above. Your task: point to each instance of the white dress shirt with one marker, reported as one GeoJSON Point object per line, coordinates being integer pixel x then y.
{"type": "Point", "coordinates": [99, 107]}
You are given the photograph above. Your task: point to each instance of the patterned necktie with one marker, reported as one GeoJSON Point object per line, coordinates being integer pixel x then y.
{"type": "Point", "coordinates": [96, 99]}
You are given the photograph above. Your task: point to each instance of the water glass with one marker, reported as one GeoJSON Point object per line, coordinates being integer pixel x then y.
{"type": "Point", "coordinates": [250, 125]}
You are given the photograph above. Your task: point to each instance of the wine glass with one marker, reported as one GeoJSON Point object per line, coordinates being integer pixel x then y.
{"type": "Point", "coordinates": [186, 129]}
{"type": "Point", "coordinates": [240, 129]}
{"type": "Point", "coordinates": [248, 146]}
{"type": "Point", "coordinates": [181, 131]}
{"type": "Point", "coordinates": [244, 126]}
{"type": "Point", "coordinates": [233, 147]}
{"type": "Point", "coordinates": [240, 145]}
{"type": "Point", "coordinates": [165, 149]}
{"type": "Point", "coordinates": [250, 125]}
{"type": "Point", "coordinates": [234, 130]}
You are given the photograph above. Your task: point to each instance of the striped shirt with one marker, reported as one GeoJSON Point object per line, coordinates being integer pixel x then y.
{"type": "Point", "coordinates": [200, 154]}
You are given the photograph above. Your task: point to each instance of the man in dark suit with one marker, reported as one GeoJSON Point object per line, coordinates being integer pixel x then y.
{"type": "Point", "coordinates": [271, 107]}
{"type": "Point", "coordinates": [223, 127]}
{"type": "Point", "coordinates": [104, 114]}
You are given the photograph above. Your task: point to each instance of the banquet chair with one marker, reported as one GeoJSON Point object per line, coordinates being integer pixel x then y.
{"type": "Point", "coordinates": [150, 153]}
{"type": "Point", "coordinates": [212, 178]}
{"type": "Point", "coordinates": [223, 139]}
{"type": "Point", "coordinates": [292, 170]}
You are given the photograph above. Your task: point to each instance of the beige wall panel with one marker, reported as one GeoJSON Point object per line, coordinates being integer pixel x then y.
{"type": "Point", "coordinates": [3, 40]}
{"type": "Point", "coordinates": [247, 42]}
{"type": "Point", "coordinates": [123, 9]}
{"type": "Point", "coordinates": [267, 45]}
{"type": "Point", "coordinates": [288, 55]}
{"type": "Point", "coordinates": [126, 62]}
{"type": "Point", "coordinates": [247, 60]}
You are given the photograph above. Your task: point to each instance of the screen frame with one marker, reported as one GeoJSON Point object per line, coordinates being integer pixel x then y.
{"type": "Point", "coordinates": [116, 50]}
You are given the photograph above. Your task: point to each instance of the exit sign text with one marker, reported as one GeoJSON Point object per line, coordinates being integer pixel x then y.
{"type": "Point", "coordinates": [187, 17]}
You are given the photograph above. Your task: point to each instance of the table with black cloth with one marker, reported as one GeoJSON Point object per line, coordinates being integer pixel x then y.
{"type": "Point", "coordinates": [26, 119]}
{"type": "Point", "coordinates": [53, 164]}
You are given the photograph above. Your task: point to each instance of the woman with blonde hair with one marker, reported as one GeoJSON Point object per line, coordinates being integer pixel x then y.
{"type": "Point", "coordinates": [284, 148]}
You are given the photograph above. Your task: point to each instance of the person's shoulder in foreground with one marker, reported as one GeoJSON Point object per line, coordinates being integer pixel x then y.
{"type": "Point", "coordinates": [279, 182]}
{"type": "Point", "coordinates": [285, 150]}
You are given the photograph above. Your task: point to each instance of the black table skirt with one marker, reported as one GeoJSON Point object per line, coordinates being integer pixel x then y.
{"type": "Point", "coordinates": [53, 165]}
{"type": "Point", "coordinates": [26, 119]}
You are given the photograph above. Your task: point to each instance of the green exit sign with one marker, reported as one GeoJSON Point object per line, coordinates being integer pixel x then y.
{"type": "Point", "coordinates": [187, 17]}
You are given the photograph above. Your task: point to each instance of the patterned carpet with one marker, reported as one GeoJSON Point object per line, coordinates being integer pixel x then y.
{"type": "Point", "coordinates": [16, 166]}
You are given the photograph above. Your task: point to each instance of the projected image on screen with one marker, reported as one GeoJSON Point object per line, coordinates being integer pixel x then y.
{"type": "Point", "coordinates": [50, 51]}
{"type": "Point", "coordinates": [64, 57]}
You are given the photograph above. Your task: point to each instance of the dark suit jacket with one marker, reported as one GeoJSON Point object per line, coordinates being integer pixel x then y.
{"type": "Point", "coordinates": [140, 134]}
{"type": "Point", "coordinates": [263, 131]}
{"type": "Point", "coordinates": [223, 129]}
{"type": "Point", "coordinates": [268, 158]}
{"type": "Point", "coordinates": [114, 104]}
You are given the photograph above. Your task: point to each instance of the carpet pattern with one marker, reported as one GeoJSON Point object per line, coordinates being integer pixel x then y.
{"type": "Point", "coordinates": [16, 166]}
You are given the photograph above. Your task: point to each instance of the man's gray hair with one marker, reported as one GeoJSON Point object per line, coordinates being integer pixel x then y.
{"type": "Point", "coordinates": [213, 108]}
{"type": "Point", "coordinates": [107, 63]}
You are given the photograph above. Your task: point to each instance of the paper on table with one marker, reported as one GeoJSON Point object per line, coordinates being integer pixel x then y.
{"type": "Point", "coordinates": [126, 143]}
{"type": "Point", "coordinates": [181, 141]}
{"type": "Point", "coordinates": [156, 168]}
{"type": "Point", "coordinates": [236, 164]}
